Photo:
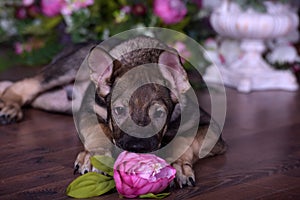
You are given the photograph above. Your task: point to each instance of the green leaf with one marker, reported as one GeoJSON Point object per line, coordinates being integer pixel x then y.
{"type": "Point", "coordinates": [154, 196]}
{"type": "Point", "coordinates": [90, 184]}
{"type": "Point", "coordinates": [103, 163]}
{"type": "Point", "coordinates": [45, 26]}
{"type": "Point", "coordinates": [51, 23]}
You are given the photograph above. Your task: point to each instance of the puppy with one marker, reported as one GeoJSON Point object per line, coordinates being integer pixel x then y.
{"type": "Point", "coordinates": [137, 98]}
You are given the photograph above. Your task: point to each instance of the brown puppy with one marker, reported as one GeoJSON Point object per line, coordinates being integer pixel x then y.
{"type": "Point", "coordinates": [139, 99]}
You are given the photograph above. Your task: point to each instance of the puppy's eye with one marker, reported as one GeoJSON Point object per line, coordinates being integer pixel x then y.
{"type": "Point", "coordinates": [159, 113]}
{"type": "Point", "coordinates": [119, 110]}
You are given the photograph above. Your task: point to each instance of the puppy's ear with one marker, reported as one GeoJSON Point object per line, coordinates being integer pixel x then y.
{"type": "Point", "coordinates": [101, 66]}
{"type": "Point", "coordinates": [174, 72]}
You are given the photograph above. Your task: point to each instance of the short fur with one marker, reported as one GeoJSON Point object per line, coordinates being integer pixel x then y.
{"type": "Point", "coordinates": [151, 104]}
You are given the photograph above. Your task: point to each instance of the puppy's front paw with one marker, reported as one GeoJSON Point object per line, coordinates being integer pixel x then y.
{"type": "Point", "coordinates": [10, 112]}
{"type": "Point", "coordinates": [82, 163]}
{"type": "Point", "coordinates": [184, 173]}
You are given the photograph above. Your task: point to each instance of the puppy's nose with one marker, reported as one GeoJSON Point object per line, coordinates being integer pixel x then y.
{"type": "Point", "coordinates": [141, 119]}
{"type": "Point", "coordinates": [138, 145]}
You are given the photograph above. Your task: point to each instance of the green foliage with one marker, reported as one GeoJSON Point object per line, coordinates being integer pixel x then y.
{"type": "Point", "coordinates": [93, 184]}
{"type": "Point", "coordinates": [154, 196]}
{"type": "Point", "coordinates": [36, 57]}
{"type": "Point", "coordinates": [40, 26]}
{"type": "Point", "coordinates": [94, 22]}
{"type": "Point", "coordinates": [90, 184]}
{"type": "Point", "coordinates": [257, 5]}
{"type": "Point", "coordinates": [103, 163]}
{"type": "Point", "coordinates": [282, 66]}
{"type": "Point", "coordinates": [41, 56]}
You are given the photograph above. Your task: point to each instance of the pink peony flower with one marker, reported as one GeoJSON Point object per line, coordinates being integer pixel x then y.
{"type": "Point", "coordinates": [138, 174]}
{"type": "Point", "coordinates": [52, 8]}
{"type": "Point", "coordinates": [170, 11]}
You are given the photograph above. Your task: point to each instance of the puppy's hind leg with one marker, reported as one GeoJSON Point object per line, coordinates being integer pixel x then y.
{"type": "Point", "coordinates": [15, 96]}
{"type": "Point", "coordinates": [60, 72]}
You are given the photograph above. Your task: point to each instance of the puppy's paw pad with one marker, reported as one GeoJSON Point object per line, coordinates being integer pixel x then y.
{"type": "Point", "coordinates": [82, 163]}
{"type": "Point", "coordinates": [184, 174]}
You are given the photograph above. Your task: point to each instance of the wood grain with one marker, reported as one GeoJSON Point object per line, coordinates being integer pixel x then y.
{"type": "Point", "coordinates": [262, 130]}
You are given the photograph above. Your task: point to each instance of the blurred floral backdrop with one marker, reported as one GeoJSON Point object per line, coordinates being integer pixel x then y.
{"type": "Point", "coordinates": [33, 31]}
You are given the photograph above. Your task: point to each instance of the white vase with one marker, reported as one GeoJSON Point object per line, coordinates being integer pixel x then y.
{"type": "Point", "coordinates": [250, 71]}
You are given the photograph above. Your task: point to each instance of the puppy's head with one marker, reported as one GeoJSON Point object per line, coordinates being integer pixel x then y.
{"type": "Point", "coordinates": [138, 117]}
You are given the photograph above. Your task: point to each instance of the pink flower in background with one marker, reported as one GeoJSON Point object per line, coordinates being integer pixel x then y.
{"type": "Point", "coordinates": [24, 12]}
{"type": "Point", "coordinates": [138, 174]}
{"type": "Point", "coordinates": [27, 2]}
{"type": "Point", "coordinates": [75, 5]}
{"type": "Point", "coordinates": [68, 9]}
{"type": "Point", "coordinates": [21, 48]}
{"type": "Point", "coordinates": [139, 9]}
{"type": "Point", "coordinates": [18, 48]}
{"type": "Point", "coordinates": [170, 11]}
{"type": "Point", "coordinates": [21, 13]}
{"type": "Point", "coordinates": [28, 46]}
{"type": "Point", "coordinates": [83, 3]}
{"type": "Point", "coordinates": [52, 8]}
{"type": "Point", "coordinates": [126, 9]}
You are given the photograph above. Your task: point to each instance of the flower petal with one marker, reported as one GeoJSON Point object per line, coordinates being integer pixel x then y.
{"type": "Point", "coordinates": [141, 174]}
{"type": "Point", "coordinates": [130, 166]}
{"type": "Point", "coordinates": [157, 187]}
{"type": "Point", "coordinates": [129, 191]}
{"type": "Point", "coordinates": [146, 189]}
{"type": "Point", "coordinates": [167, 172]}
{"type": "Point", "coordinates": [139, 182]}
{"type": "Point", "coordinates": [118, 182]}
{"type": "Point", "coordinates": [120, 159]}
{"type": "Point", "coordinates": [126, 178]}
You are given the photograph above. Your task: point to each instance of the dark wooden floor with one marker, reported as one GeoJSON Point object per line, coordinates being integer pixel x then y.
{"type": "Point", "coordinates": [263, 160]}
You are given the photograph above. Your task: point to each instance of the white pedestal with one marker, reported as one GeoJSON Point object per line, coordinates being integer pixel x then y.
{"type": "Point", "coordinates": [251, 72]}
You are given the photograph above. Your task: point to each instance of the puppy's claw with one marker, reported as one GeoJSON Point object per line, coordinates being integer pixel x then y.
{"type": "Point", "coordinates": [76, 168]}
{"type": "Point", "coordinates": [83, 162]}
{"type": "Point", "coordinates": [184, 174]}
{"type": "Point", "coordinates": [179, 184]}
{"type": "Point", "coordinates": [192, 181]}
{"type": "Point", "coordinates": [10, 112]}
